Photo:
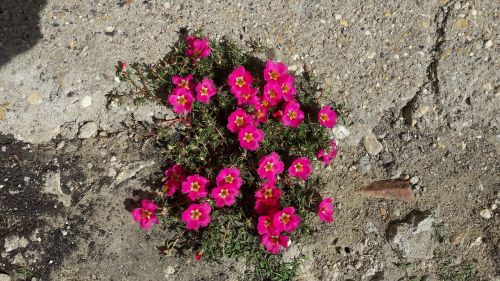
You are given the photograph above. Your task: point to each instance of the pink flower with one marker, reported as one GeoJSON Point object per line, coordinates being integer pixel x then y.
{"type": "Point", "coordinates": [327, 117]}
{"type": "Point", "coordinates": [274, 242]}
{"type": "Point", "coordinates": [181, 99]}
{"type": "Point", "coordinates": [325, 210]}
{"type": "Point", "coordinates": [264, 103]}
{"type": "Point", "coordinates": [197, 215]}
{"type": "Point", "coordinates": [169, 188]}
{"type": "Point", "coordinates": [197, 48]}
{"type": "Point", "coordinates": [205, 90]}
{"type": "Point", "coordinates": [175, 174]}
{"type": "Point", "coordinates": [239, 80]}
{"type": "Point", "coordinates": [327, 155]}
{"type": "Point", "coordinates": [265, 225]}
{"type": "Point", "coordinates": [195, 187]}
{"type": "Point", "coordinates": [224, 195]}
{"type": "Point", "coordinates": [272, 93]}
{"type": "Point", "coordinates": [174, 178]}
{"type": "Point", "coordinates": [287, 87]}
{"type": "Point", "coordinates": [278, 114]}
{"type": "Point", "coordinates": [300, 168]}
{"type": "Point", "coordinates": [145, 214]}
{"type": "Point", "coordinates": [260, 114]}
{"type": "Point", "coordinates": [270, 166]}
{"type": "Point", "coordinates": [123, 66]}
{"type": "Point", "coordinates": [198, 256]}
{"type": "Point", "coordinates": [292, 115]}
{"type": "Point", "coordinates": [268, 194]}
{"type": "Point", "coordinates": [286, 220]}
{"type": "Point", "coordinates": [238, 120]}
{"type": "Point", "coordinates": [247, 96]}
{"type": "Point", "coordinates": [183, 82]}
{"type": "Point", "coordinates": [229, 177]}
{"type": "Point", "coordinates": [274, 71]}
{"type": "Point", "coordinates": [250, 137]}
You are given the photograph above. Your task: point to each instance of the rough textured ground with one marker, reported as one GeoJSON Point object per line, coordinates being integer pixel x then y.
{"type": "Point", "coordinates": [422, 76]}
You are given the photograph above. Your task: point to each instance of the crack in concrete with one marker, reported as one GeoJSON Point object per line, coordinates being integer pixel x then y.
{"type": "Point", "coordinates": [432, 78]}
{"type": "Point", "coordinates": [441, 20]}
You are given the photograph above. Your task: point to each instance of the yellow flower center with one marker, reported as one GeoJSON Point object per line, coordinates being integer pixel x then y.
{"type": "Point", "coordinates": [239, 121]}
{"type": "Point", "coordinates": [284, 88]}
{"type": "Point", "coordinates": [265, 103]}
{"type": "Point", "coordinates": [260, 114]}
{"type": "Point", "coordinates": [323, 209]}
{"type": "Point", "coordinates": [267, 223]}
{"type": "Point", "coordinates": [269, 166]}
{"type": "Point", "coordinates": [292, 114]}
{"type": "Point", "coordinates": [323, 117]}
{"type": "Point", "coordinates": [299, 167]}
{"type": "Point", "coordinates": [245, 96]}
{"type": "Point", "coordinates": [272, 94]}
{"type": "Point", "coordinates": [248, 137]}
{"type": "Point", "coordinates": [184, 84]}
{"type": "Point", "coordinates": [285, 218]}
{"type": "Point", "coordinates": [274, 239]}
{"type": "Point", "coordinates": [274, 75]}
{"type": "Point", "coordinates": [182, 100]}
{"type": "Point", "coordinates": [146, 214]}
{"type": "Point", "coordinates": [197, 52]}
{"type": "Point", "coordinates": [240, 81]}
{"type": "Point", "coordinates": [166, 187]}
{"type": "Point", "coordinates": [268, 193]}
{"type": "Point", "coordinates": [224, 193]}
{"type": "Point", "coordinates": [204, 91]}
{"type": "Point", "coordinates": [195, 214]}
{"type": "Point", "coordinates": [229, 179]}
{"type": "Point", "coordinates": [195, 186]}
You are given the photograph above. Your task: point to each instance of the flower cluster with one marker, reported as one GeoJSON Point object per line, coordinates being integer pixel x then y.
{"type": "Point", "coordinates": [258, 178]}
{"type": "Point", "coordinates": [182, 97]}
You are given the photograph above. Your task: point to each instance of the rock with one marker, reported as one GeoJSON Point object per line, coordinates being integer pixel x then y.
{"type": "Point", "coordinates": [340, 132]}
{"type": "Point", "coordinates": [86, 101]}
{"type": "Point", "coordinates": [364, 165]}
{"type": "Point", "coordinates": [413, 237]}
{"type": "Point", "coordinates": [14, 242]}
{"type": "Point", "coordinates": [19, 259]}
{"type": "Point", "coordinates": [53, 186]}
{"type": "Point", "coordinates": [414, 180]}
{"type": "Point", "coordinates": [60, 145]}
{"type": "Point", "coordinates": [372, 145]}
{"type": "Point", "coordinates": [389, 189]}
{"type": "Point", "coordinates": [485, 213]}
{"type": "Point", "coordinates": [88, 130]}
{"type": "Point", "coordinates": [386, 158]}
{"type": "Point", "coordinates": [4, 277]}
{"type": "Point", "coordinates": [169, 271]}
{"type": "Point", "coordinates": [34, 98]}
{"type": "Point", "coordinates": [109, 29]}
{"type": "Point", "coordinates": [488, 44]}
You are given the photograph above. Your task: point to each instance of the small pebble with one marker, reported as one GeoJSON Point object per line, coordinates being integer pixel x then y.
{"type": "Point", "coordinates": [110, 29]}
{"type": "Point", "coordinates": [488, 44]}
{"type": "Point", "coordinates": [86, 101]}
{"type": "Point", "coordinates": [60, 145]}
{"type": "Point", "coordinates": [414, 180]}
{"type": "Point", "coordinates": [485, 213]}
{"type": "Point", "coordinates": [4, 148]}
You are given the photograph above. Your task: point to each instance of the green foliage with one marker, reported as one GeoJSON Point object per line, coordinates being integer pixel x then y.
{"type": "Point", "coordinates": [201, 143]}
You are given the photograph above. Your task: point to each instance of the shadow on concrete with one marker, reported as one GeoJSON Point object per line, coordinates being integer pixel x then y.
{"type": "Point", "coordinates": [19, 27]}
